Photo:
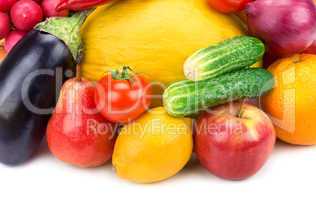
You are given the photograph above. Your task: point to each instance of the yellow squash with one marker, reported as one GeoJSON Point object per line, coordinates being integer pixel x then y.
{"type": "Point", "coordinates": [153, 37]}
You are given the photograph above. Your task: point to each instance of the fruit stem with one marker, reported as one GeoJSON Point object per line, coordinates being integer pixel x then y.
{"type": "Point", "coordinates": [123, 74]}
{"type": "Point", "coordinates": [240, 110]}
{"type": "Point", "coordinates": [78, 73]}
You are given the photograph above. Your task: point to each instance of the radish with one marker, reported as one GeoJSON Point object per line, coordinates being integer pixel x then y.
{"type": "Point", "coordinates": [25, 14]}
{"type": "Point", "coordinates": [49, 9]}
{"type": "Point", "coordinates": [5, 5]}
{"type": "Point", "coordinates": [4, 25]}
{"type": "Point", "coordinates": [12, 39]}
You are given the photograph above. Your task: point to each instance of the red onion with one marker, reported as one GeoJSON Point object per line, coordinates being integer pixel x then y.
{"type": "Point", "coordinates": [311, 49]}
{"type": "Point", "coordinates": [287, 26]}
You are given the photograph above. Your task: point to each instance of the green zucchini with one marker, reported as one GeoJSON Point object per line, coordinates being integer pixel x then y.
{"type": "Point", "coordinates": [186, 98]}
{"type": "Point", "coordinates": [237, 53]}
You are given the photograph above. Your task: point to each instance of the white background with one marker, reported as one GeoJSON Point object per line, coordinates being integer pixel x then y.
{"type": "Point", "coordinates": [289, 174]}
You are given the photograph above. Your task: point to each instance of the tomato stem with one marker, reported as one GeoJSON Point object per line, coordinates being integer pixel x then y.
{"type": "Point", "coordinates": [123, 74]}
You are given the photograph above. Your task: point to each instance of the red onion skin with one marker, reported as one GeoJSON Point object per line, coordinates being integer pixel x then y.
{"type": "Point", "coordinates": [268, 59]}
{"type": "Point", "coordinates": [311, 49]}
{"type": "Point", "coordinates": [287, 26]}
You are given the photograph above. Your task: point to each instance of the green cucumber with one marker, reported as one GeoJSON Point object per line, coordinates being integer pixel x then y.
{"type": "Point", "coordinates": [237, 53]}
{"type": "Point", "coordinates": [186, 98]}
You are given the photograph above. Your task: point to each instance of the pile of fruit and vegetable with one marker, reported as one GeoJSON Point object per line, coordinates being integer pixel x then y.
{"type": "Point", "coordinates": [148, 84]}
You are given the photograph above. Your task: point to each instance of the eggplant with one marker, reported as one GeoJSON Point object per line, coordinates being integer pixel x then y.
{"type": "Point", "coordinates": [28, 84]}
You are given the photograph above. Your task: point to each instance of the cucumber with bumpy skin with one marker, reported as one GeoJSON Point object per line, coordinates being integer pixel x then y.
{"type": "Point", "coordinates": [187, 98]}
{"type": "Point", "coordinates": [233, 54]}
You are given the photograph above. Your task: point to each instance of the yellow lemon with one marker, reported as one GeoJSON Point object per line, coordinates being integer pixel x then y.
{"type": "Point", "coordinates": [153, 148]}
{"type": "Point", "coordinates": [153, 37]}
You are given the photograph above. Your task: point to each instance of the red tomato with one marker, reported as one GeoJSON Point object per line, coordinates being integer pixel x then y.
{"type": "Point", "coordinates": [228, 6]}
{"type": "Point", "coordinates": [123, 96]}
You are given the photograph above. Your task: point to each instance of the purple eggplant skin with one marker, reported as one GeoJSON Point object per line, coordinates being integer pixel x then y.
{"type": "Point", "coordinates": [22, 128]}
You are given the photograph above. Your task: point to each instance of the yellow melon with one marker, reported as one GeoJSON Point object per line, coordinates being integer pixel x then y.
{"type": "Point", "coordinates": [153, 37]}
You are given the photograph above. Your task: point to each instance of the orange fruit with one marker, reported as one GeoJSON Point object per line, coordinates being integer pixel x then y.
{"type": "Point", "coordinates": [292, 103]}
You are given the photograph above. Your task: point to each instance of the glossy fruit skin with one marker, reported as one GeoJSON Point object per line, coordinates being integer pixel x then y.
{"type": "Point", "coordinates": [291, 104]}
{"type": "Point", "coordinates": [25, 14]}
{"type": "Point", "coordinates": [4, 25]}
{"type": "Point", "coordinates": [5, 5]}
{"type": "Point", "coordinates": [74, 135]}
{"type": "Point", "coordinates": [234, 147]}
{"type": "Point", "coordinates": [49, 9]}
{"type": "Point", "coordinates": [122, 101]}
{"type": "Point", "coordinates": [22, 130]}
{"type": "Point", "coordinates": [153, 148]}
{"type": "Point", "coordinates": [288, 26]}
{"type": "Point", "coordinates": [228, 6]}
{"type": "Point", "coordinates": [12, 39]}
{"type": "Point", "coordinates": [311, 49]}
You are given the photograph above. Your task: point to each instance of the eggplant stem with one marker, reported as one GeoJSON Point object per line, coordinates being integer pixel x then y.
{"type": "Point", "coordinates": [67, 29]}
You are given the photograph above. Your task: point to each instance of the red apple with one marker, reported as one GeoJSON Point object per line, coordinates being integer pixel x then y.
{"type": "Point", "coordinates": [234, 141]}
